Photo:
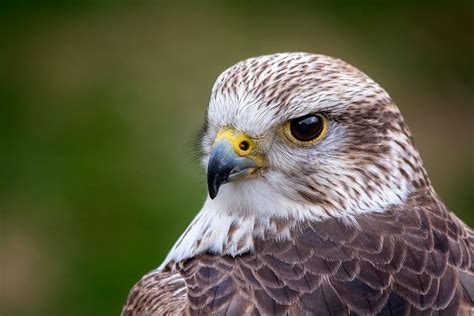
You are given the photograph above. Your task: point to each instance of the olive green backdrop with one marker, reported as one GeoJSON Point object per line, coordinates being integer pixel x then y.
{"type": "Point", "coordinates": [100, 103]}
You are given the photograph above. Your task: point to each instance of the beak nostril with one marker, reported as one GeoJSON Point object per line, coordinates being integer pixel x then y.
{"type": "Point", "coordinates": [244, 145]}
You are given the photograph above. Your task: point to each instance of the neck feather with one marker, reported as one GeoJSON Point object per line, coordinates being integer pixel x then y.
{"type": "Point", "coordinates": [229, 224]}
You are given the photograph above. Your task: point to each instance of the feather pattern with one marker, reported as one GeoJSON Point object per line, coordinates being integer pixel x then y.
{"type": "Point", "coordinates": [378, 266]}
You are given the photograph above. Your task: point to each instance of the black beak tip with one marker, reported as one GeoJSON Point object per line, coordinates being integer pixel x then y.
{"type": "Point", "coordinates": [213, 190]}
{"type": "Point", "coordinates": [212, 194]}
{"type": "Point", "coordinates": [213, 185]}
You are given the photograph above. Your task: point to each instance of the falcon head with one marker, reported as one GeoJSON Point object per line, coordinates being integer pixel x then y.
{"type": "Point", "coordinates": [305, 135]}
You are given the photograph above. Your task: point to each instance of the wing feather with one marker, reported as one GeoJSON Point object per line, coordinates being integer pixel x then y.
{"type": "Point", "coordinates": [407, 260]}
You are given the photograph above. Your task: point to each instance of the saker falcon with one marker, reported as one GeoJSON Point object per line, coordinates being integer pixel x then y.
{"type": "Point", "coordinates": [318, 204]}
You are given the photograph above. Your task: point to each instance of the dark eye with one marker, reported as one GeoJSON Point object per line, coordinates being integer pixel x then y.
{"type": "Point", "coordinates": [306, 129]}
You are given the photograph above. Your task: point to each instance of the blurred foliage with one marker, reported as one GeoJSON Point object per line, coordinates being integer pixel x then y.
{"type": "Point", "coordinates": [100, 102]}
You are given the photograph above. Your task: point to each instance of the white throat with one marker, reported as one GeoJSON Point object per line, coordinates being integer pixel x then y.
{"type": "Point", "coordinates": [246, 209]}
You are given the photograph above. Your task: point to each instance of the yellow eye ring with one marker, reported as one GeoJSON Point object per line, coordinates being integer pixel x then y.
{"type": "Point", "coordinates": [306, 130]}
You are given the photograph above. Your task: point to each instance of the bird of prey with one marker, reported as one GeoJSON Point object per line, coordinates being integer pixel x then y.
{"type": "Point", "coordinates": [318, 204]}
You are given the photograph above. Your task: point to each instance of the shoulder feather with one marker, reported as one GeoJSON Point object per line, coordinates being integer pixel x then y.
{"type": "Point", "coordinates": [157, 293]}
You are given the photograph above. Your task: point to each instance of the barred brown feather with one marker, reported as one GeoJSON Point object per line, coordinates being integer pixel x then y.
{"type": "Point", "coordinates": [370, 268]}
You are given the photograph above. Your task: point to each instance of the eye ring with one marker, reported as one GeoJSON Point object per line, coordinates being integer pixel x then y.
{"type": "Point", "coordinates": [306, 130]}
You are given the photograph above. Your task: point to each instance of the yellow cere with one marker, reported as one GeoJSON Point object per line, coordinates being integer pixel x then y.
{"type": "Point", "coordinates": [243, 145]}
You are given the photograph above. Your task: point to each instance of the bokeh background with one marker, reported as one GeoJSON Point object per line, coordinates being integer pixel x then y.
{"type": "Point", "coordinates": [100, 103]}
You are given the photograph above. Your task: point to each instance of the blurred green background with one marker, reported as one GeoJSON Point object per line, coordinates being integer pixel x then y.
{"type": "Point", "coordinates": [100, 102]}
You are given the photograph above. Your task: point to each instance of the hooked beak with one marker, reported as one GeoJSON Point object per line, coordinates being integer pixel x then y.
{"type": "Point", "coordinates": [232, 158]}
